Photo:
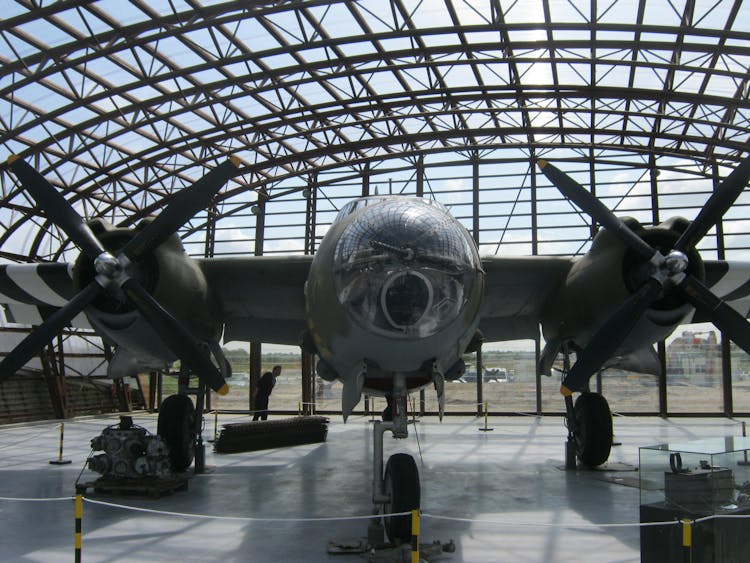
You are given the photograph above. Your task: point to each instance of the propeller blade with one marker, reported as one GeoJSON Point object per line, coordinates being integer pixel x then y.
{"type": "Point", "coordinates": [181, 208]}
{"type": "Point", "coordinates": [595, 208]}
{"type": "Point", "coordinates": [175, 336]}
{"type": "Point", "coordinates": [45, 332]}
{"type": "Point", "coordinates": [718, 204]}
{"type": "Point", "coordinates": [722, 315]}
{"type": "Point", "coordinates": [57, 208]}
{"type": "Point", "coordinates": [610, 336]}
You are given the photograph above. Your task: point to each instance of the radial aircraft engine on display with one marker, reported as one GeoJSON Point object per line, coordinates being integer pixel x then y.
{"type": "Point", "coordinates": [393, 298]}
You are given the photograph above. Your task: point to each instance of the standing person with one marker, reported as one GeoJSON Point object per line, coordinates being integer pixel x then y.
{"type": "Point", "coordinates": [265, 386]}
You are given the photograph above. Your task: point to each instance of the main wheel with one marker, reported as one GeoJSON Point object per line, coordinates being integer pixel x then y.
{"type": "Point", "coordinates": [176, 425]}
{"type": "Point", "coordinates": [593, 432]}
{"type": "Point", "coordinates": [402, 486]}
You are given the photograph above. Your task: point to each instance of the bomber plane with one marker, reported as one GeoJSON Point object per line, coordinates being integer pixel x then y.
{"type": "Point", "coordinates": [395, 295]}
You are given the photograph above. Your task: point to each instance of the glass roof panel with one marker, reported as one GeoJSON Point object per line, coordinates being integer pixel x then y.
{"type": "Point", "coordinates": [168, 88]}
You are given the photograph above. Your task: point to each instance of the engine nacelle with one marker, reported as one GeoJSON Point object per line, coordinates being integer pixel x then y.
{"type": "Point", "coordinates": [171, 277]}
{"type": "Point", "coordinates": [601, 280]}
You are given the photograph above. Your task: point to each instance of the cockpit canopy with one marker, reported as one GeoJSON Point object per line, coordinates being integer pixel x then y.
{"type": "Point", "coordinates": [405, 267]}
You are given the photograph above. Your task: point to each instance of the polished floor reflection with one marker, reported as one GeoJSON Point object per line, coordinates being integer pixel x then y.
{"type": "Point", "coordinates": [500, 495]}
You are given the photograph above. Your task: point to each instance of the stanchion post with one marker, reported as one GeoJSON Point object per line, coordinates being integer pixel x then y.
{"type": "Point", "coordinates": [60, 460]}
{"type": "Point", "coordinates": [299, 409]}
{"type": "Point", "coordinates": [687, 540]}
{"type": "Point", "coordinates": [216, 426]}
{"type": "Point", "coordinates": [486, 415]}
{"type": "Point", "coordinates": [415, 536]}
{"type": "Point", "coordinates": [79, 528]}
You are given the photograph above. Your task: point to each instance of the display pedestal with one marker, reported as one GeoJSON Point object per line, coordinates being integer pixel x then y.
{"type": "Point", "coordinates": [690, 481]}
{"type": "Point", "coordinates": [719, 540]}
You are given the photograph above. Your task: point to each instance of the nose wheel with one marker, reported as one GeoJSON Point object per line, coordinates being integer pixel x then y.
{"type": "Point", "coordinates": [397, 489]}
{"type": "Point", "coordinates": [401, 486]}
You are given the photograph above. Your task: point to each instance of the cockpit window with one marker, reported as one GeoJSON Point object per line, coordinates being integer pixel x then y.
{"type": "Point", "coordinates": [404, 267]}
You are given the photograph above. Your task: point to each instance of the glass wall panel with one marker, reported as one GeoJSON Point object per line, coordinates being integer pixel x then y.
{"type": "Point", "coordinates": [694, 370]}
{"type": "Point", "coordinates": [552, 400]}
{"type": "Point", "coordinates": [328, 395]}
{"type": "Point", "coordinates": [629, 391]}
{"type": "Point", "coordinates": [740, 379]}
{"type": "Point", "coordinates": [287, 393]}
{"type": "Point", "coordinates": [510, 376]}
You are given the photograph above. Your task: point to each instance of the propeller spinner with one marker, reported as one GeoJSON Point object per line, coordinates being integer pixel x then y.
{"type": "Point", "coordinates": [112, 271]}
{"type": "Point", "coordinates": [664, 273]}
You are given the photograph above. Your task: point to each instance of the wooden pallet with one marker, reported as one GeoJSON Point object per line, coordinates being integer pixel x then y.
{"type": "Point", "coordinates": [151, 487]}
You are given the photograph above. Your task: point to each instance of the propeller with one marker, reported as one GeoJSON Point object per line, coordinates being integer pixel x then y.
{"type": "Point", "coordinates": [112, 271]}
{"type": "Point", "coordinates": [56, 207]}
{"type": "Point", "coordinates": [665, 273]}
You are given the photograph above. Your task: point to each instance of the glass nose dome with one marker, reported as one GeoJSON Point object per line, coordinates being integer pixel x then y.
{"type": "Point", "coordinates": [404, 267]}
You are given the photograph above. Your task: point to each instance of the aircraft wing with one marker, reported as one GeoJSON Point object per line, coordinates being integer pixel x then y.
{"type": "Point", "coordinates": [261, 297]}
{"type": "Point", "coordinates": [516, 292]}
{"type": "Point", "coordinates": [29, 293]}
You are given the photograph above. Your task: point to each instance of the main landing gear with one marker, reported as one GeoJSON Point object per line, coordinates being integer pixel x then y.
{"type": "Point", "coordinates": [180, 425]}
{"type": "Point", "coordinates": [589, 423]}
{"type": "Point", "coordinates": [397, 490]}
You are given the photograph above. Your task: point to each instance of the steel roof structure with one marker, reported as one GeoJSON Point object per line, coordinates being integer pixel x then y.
{"type": "Point", "coordinates": [120, 104]}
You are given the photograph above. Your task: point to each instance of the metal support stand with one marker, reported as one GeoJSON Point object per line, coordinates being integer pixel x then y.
{"type": "Point", "coordinates": [375, 529]}
{"type": "Point", "coordinates": [570, 421]}
{"type": "Point", "coordinates": [199, 463]}
{"type": "Point", "coordinates": [400, 429]}
{"type": "Point", "coordinates": [200, 448]}
{"type": "Point", "coordinates": [378, 495]}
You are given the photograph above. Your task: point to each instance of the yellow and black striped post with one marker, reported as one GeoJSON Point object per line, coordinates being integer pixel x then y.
{"type": "Point", "coordinates": [60, 460]}
{"type": "Point", "coordinates": [486, 415]}
{"type": "Point", "coordinates": [415, 536]}
{"type": "Point", "coordinates": [687, 540]}
{"type": "Point", "coordinates": [79, 518]}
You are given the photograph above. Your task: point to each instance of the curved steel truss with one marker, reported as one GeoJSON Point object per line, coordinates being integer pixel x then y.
{"type": "Point", "coordinates": [121, 104]}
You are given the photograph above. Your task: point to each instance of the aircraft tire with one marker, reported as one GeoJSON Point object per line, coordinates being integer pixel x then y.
{"type": "Point", "coordinates": [593, 433]}
{"type": "Point", "coordinates": [402, 484]}
{"type": "Point", "coordinates": [176, 425]}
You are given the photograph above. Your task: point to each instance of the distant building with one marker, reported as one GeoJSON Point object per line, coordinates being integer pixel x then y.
{"type": "Point", "coordinates": [695, 356]}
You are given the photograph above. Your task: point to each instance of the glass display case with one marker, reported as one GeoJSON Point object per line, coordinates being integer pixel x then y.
{"type": "Point", "coordinates": [700, 477]}
{"type": "Point", "coordinates": [692, 480]}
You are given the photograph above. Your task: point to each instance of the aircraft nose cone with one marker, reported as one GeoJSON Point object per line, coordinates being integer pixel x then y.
{"type": "Point", "coordinates": [404, 268]}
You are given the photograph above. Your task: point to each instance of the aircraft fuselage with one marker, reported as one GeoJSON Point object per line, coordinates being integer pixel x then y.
{"type": "Point", "coordinates": [395, 288]}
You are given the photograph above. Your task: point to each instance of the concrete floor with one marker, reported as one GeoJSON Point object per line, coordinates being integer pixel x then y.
{"type": "Point", "coordinates": [505, 486]}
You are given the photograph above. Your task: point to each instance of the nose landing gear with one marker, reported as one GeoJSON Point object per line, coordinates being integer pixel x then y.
{"type": "Point", "coordinates": [589, 423]}
{"type": "Point", "coordinates": [397, 490]}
